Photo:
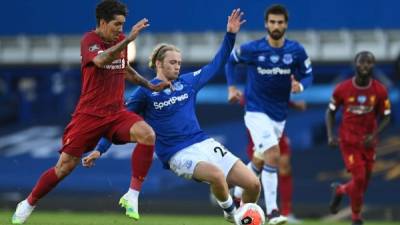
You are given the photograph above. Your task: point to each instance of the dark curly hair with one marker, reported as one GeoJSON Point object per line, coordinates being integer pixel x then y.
{"type": "Point", "coordinates": [276, 10]}
{"type": "Point", "coordinates": [107, 9]}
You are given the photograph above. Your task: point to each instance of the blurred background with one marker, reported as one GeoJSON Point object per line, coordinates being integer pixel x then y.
{"type": "Point", "coordinates": [40, 85]}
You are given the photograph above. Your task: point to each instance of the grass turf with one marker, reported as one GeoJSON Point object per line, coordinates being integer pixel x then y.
{"type": "Point", "coordinates": [76, 218]}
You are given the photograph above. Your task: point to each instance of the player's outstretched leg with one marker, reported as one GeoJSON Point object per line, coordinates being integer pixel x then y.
{"type": "Point", "coordinates": [336, 198]}
{"type": "Point", "coordinates": [211, 174]}
{"type": "Point", "coordinates": [238, 190]}
{"type": "Point", "coordinates": [49, 180]}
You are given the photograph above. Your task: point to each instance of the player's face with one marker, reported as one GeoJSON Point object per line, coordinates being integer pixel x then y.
{"type": "Point", "coordinates": [364, 65]}
{"type": "Point", "coordinates": [171, 65]}
{"type": "Point", "coordinates": [276, 26]}
{"type": "Point", "coordinates": [113, 28]}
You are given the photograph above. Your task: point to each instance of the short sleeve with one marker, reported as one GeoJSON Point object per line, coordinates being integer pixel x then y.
{"type": "Point", "coordinates": [90, 48]}
{"type": "Point", "coordinates": [384, 106]}
{"type": "Point", "coordinates": [337, 98]}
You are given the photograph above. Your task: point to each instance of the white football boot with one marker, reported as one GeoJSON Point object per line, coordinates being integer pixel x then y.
{"type": "Point", "coordinates": [23, 211]}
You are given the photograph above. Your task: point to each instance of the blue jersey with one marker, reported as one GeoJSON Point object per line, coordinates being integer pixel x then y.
{"type": "Point", "coordinates": [171, 113]}
{"type": "Point", "coordinates": [268, 74]}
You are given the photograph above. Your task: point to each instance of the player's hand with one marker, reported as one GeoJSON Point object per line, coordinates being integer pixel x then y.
{"type": "Point", "coordinates": [235, 21]}
{"type": "Point", "coordinates": [139, 26]}
{"type": "Point", "coordinates": [161, 86]}
{"type": "Point", "coordinates": [333, 141]}
{"type": "Point", "coordinates": [234, 95]}
{"type": "Point", "coordinates": [299, 105]}
{"type": "Point", "coordinates": [296, 86]}
{"type": "Point", "coordinates": [369, 140]}
{"type": "Point", "coordinates": [89, 160]}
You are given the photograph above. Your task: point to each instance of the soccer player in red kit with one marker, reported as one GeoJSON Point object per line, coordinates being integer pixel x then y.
{"type": "Point", "coordinates": [100, 110]}
{"type": "Point", "coordinates": [363, 101]}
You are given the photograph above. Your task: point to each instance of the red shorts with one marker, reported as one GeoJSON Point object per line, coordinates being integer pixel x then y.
{"type": "Point", "coordinates": [354, 156]}
{"type": "Point", "coordinates": [84, 131]}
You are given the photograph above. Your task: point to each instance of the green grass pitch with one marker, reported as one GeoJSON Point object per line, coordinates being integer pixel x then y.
{"type": "Point", "coordinates": [76, 218]}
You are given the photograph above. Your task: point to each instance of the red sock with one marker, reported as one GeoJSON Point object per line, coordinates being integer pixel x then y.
{"type": "Point", "coordinates": [250, 146]}
{"type": "Point", "coordinates": [356, 190]}
{"type": "Point", "coordinates": [286, 193]}
{"type": "Point", "coordinates": [141, 160]}
{"type": "Point", "coordinates": [44, 185]}
{"type": "Point", "coordinates": [342, 189]}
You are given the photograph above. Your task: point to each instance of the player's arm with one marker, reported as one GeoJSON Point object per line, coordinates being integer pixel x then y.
{"type": "Point", "coordinates": [106, 57]}
{"type": "Point", "coordinates": [330, 114]}
{"type": "Point", "coordinates": [133, 76]}
{"type": "Point", "coordinates": [304, 73]}
{"type": "Point", "coordinates": [384, 110]}
{"type": "Point", "coordinates": [101, 148]}
{"type": "Point", "coordinates": [298, 105]}
{"type": "Point", "coordinates": [201, 77]}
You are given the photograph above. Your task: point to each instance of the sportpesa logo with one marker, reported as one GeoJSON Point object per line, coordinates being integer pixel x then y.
{"type": "Point", "coordinates": [273, 71]}
{"type": "Point", "coordinates": [171, 101]}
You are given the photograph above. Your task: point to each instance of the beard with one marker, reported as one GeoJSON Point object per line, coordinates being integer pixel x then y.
{"type": "Point", "coordinates": [276, 34]}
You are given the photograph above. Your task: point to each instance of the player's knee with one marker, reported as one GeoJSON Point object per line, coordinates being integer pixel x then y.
{"type": "Point", "coordinates": [64, 169]}
{"type": "Point", "coordinates": [284, 168]}
{"type": "Point", "coordinates": [253, 185]}
{"type": "Point", "coordinates": [217, 178]}
{"type": "Point", "coordinates": [65, 165]}
{"type": "Point", "coordinates": [146, 136]}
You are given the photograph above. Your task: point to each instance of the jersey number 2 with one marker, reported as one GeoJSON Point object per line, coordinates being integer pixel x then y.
{"type": "Point", "coordinates": [223, 153]}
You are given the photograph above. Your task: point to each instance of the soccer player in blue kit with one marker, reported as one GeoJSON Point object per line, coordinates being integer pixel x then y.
{"type": "Point", "coordinates": [180, 143]}
{"type": "Point", "coordinates": [274, 66]}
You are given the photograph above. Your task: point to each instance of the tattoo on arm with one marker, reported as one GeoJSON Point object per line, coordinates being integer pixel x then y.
{"type": "Point", "coordinates": [110, 54]}
{"type": "Point", "coordinates": [134, 77]}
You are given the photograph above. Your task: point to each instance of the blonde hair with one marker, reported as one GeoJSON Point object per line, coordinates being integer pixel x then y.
{"type": "Point", "coordinates": [159, 53]}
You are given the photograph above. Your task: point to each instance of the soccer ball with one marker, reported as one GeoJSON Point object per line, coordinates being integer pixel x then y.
{"type": "Point", "coordinates": [249, 214]}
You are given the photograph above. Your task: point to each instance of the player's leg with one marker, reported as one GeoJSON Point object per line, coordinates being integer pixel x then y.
{"type": "Point", "coordinates": [265, 133]}
{"type": "Point", "coordinates": [255, 165]}
{"type": "Point", "coordinates": [75, 143]}
{"type": "Point", "coordinates": [241, 176]}
{"type": "Point", "coordinates": [207, 161]}
{"type": "Point", "coordinates": [47, 181]}
{"type": "Point", "coordinates": [130, 127]}
{"type": "Point", "coordinates": [285, 180]}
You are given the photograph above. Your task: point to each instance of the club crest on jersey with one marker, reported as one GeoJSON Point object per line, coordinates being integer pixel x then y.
{"type": "Point", "coordinates": [350, 99]}
{"type": "Point", "coordinates": [94, 48]}
{"type": "Point", "coordinates": [287, 59]}
{"type": "Point", "coordinates": [361, 99]}
{"type": "Point", "coordinates": [178, 86]}
{"type": "Point", "coordinates": [167, 91]}
{"type": "Point", "coordinates": [261, 58]}
{"type": "Point", "coordinates": [274, 58]}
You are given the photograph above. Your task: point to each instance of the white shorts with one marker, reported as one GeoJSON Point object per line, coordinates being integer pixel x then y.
{"type": "Point", "coordinates": [184, 162]}
{"type": "Point", "coordinates": [264, 131]}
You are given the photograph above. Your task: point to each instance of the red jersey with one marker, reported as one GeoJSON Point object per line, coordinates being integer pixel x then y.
{"type": "Point", "coordinates": [102, 88]}
{"type": "Point", "coordinates": [361, 107]}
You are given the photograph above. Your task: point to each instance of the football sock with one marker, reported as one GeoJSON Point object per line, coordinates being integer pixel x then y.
{"type": "Point", "coordinates": [356, 189]}
{"type": "Point", "coordinates": [254, 169]}
{"type": "Point", "coordinates": [142, 157]}
{"type": "Point", "coordinates": [44, 185]}
{"type": "Point", "coordinates": [286, 193]}
{"type": "Point", "coordinates": [269, 180]}
{"type": "Point", "coordinates": [227, 205]}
